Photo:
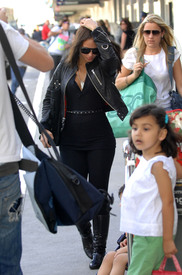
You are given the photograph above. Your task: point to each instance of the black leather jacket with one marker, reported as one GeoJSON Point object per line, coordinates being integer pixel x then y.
{"type": "Point", "coordinates": [101, 71]}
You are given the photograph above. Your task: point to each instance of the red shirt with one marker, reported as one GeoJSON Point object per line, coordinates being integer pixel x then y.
{"type": "Point", "coordinates": [45, 31]}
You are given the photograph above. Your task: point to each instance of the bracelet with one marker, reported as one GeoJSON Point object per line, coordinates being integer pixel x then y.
{"type": "Point", "coordinates": [126, 81]}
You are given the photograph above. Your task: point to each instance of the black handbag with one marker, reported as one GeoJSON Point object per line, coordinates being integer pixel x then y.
{"type": "Point", "coordinates": [176, 99]}
{"type": "Point", "coordinates": [60, 195]}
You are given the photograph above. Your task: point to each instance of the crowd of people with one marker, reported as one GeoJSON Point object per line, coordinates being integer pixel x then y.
{"type": "Point", "coordinates": [87, 70]}
{"type": "Point", "coordinates": [58, 38]}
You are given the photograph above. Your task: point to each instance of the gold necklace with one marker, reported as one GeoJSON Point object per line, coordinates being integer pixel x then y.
{"type": "Point", "coordinates": [81, 82]}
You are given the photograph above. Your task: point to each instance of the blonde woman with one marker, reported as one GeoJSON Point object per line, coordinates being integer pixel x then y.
{"type": "Point", "coordinates": [150, 52]}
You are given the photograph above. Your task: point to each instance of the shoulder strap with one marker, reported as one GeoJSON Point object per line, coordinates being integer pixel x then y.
{"type": "Point", "coordinates": [10, 56]}
{"type": "Point", "coordinates": [21, 126]}
{"type": "Point", "coordinates": [170, 61]}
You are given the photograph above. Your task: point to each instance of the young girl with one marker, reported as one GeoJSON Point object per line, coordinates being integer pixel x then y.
{"type": "Point", "coordinates": [148, 208]}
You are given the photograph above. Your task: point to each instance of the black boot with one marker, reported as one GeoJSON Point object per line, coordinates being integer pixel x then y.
{"type": "Point", "coordinates": [100, 229]}
{"type": "Point", "coordinates": [87, 238]}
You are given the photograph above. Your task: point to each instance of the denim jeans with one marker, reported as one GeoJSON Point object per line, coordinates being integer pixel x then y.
{"type": "Point", "coordinates": [14, 81]}
{"type": "Point", "coordinates": [10, 225]}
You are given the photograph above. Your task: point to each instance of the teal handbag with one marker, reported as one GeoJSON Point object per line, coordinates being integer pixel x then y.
{"type": "Point", "coordinates": [141, 91]}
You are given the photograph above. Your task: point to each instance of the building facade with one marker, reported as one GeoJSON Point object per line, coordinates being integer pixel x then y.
{"type": "Point", "coordinates": [114, 10]}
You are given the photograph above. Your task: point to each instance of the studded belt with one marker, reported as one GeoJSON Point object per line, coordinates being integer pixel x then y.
{"type": "Point", "coordinates": [86, 112]}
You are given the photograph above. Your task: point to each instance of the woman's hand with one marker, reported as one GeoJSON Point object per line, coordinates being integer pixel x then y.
{"type": "Point", "coordinates": [44, 139]}
{"type": "Point", "coordinates": [88, 23]}
{"type": "Point", "coordinates": [137, 69]}
{"type": "Point", "coordinates": [127, 77]}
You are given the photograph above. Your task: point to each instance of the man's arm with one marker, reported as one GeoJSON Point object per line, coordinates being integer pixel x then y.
{"type": "Point", "coordinates": [37, 56]}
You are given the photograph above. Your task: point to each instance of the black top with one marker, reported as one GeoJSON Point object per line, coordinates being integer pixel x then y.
{"type": "Point", "coordinates": [85, 131]}
{"type": "Point", "coordinates": [129, 39]}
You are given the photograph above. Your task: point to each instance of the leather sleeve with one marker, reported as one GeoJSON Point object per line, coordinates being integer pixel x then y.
{"type": "Point", "coordinates": [50, 101]}
{"type": "Point", "coordinates": [108, 59]}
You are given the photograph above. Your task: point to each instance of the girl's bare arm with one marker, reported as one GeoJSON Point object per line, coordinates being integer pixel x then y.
{"type": "Point", "coordinates": [166, 194]}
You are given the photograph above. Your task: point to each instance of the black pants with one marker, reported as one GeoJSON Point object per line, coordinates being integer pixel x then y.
{"type": "Point", "coordinates": [94, 165]}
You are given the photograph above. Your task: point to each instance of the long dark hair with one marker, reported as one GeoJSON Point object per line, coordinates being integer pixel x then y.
{"type": "Point", "coordinates": [128, 23]}
{"type": "Point", "coordinates": [169, 144]}
{"type": "Point", "coordinates": [82, 34]}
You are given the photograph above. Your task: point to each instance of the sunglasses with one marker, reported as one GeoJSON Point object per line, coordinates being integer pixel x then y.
{"type": "Point", "coordinates": [88, 50]}
{"type": "Point", "coordinates": [154, 32]}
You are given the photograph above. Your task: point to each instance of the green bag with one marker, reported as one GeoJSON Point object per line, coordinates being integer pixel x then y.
{"type": "Point", "coordinates": [141, 91]}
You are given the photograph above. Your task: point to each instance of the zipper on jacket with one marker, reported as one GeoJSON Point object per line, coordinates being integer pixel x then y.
{"type": "Point", "coordinates": [96, 87]}
{"type": "Point", "coordinates": [96, 77]}
{"type": "Point", "coordinates": [57, 86]}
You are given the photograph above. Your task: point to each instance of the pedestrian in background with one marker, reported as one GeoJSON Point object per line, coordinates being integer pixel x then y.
{"type": "Point", "coordinates": [148, 207]}
{"type": "Point", "coordinates": [150, 52]}
{"type": "Point", "coordinates": [127, 36]}
{"type": "Point", "coordinates": [142, 16]}
{"type": "Point", "coordinates": [87, 144]}
{"type": "Point", "coordinates": [107, 24]}
{"type": "Point", "coordinates": [60, 42]}
{"type": "Point", "coordinates": [31, 53]}
{"type": "Point", "coordinates": [45, 30]}
{"type": "Point", "coordinates": [102, 24]}
{"type": "Point", "coordinates": [37, 34]}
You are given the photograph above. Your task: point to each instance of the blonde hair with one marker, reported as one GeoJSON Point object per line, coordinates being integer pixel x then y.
{"type": "Point", "coordinates": [167, 40]}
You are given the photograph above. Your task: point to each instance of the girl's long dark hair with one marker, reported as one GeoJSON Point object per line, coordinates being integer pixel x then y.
{"type": "Point", "coordinates": [169, 144]}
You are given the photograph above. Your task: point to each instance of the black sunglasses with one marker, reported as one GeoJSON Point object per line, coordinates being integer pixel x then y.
{"type": "Point", "coordinates": [88, 50]}
{"type": "Point", "coordinates": [154, 32]}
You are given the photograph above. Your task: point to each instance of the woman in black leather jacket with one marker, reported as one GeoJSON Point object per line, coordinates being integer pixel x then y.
{"type": "Point", "coordinates": [81, 91]}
